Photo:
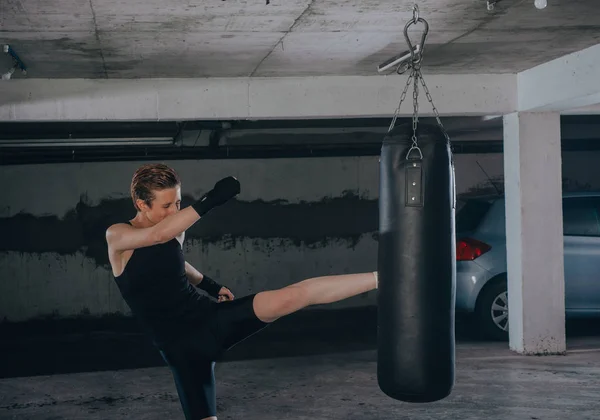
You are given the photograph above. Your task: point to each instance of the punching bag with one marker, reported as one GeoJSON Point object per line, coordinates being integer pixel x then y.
{"type": "Point", "coordinates": [417, 266]}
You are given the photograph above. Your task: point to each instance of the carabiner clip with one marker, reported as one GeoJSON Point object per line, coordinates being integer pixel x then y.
{"type": "Point", "coordinates": [414, 21]}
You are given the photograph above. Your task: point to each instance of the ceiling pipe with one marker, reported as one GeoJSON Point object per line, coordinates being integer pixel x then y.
{"type": "Point", "coordinates": [91, 142]}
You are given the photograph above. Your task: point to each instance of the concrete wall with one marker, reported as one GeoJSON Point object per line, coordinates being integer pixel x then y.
{"type": "Point", "coordinates": [295, 218]}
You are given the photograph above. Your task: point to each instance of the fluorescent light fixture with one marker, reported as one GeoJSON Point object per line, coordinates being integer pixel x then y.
{"type": "Point", "coordinates": [121, 141]}
{"type": "Point", "coordinates": [490, 117]}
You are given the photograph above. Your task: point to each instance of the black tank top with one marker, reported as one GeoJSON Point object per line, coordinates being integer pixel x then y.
{"type": "Point", "coordinates": [157, 290]}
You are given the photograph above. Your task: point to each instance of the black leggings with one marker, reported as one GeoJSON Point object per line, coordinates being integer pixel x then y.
{"type": "Point", "coordinates": [192, 359]}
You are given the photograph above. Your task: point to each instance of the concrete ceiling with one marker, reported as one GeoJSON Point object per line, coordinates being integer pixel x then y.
{"type": "Point", "coordinates": [235, 38]}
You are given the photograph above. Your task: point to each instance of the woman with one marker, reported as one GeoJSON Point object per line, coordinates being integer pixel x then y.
{"type": "Point", "coordinates": [190, 330]}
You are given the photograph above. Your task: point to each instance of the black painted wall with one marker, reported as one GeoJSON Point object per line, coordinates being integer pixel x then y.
{"type": "Point", "coordinates": [295, 218]}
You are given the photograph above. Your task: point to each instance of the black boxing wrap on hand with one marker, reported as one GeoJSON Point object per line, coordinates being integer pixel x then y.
{"type": "Point", "coordinates": [209, 286]}
{"type": "Point", "coordinates": [223, 191]}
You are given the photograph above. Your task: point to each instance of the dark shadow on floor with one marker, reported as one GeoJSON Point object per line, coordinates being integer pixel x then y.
{"type": "Point", "coordinates": [68, 346]}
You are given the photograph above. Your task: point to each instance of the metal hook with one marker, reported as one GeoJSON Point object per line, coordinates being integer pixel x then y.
{"type": "Point", "coordinates": [414, 148]}
{"type": "Point", "coordinates": [414, 21]}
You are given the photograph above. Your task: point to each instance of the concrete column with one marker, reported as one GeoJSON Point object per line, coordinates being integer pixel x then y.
{"type": "Point", "coordinates": [534, 234]}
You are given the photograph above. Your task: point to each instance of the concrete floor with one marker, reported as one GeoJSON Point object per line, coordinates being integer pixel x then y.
{"type": "Point", "coordinates": [305, 370]}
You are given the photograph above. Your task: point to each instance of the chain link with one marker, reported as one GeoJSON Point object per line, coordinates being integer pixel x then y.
{"type": "Point", "coordinates": [435, 111]}
{"type": "Point", "coordinates": [415, 117]}
{"type": "Point", "coordinates": [402, 98]}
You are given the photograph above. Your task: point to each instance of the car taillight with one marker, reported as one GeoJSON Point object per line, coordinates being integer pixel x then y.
{"type": "Point", "coordinates": [468, 249]}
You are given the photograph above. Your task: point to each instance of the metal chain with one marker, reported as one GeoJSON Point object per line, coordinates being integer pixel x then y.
{"type": "Point", "coordinates": [402, 97]}
{"type": "Point", "coordinates": [435, 111]}
{"type": "Point", "coordinates": [415, 117]}
{"type": "Point", "coordinates": [415, 74]}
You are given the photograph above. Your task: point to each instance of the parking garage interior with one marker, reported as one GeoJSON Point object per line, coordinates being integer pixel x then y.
{"type": "Point", "coordinates": [289, 97]}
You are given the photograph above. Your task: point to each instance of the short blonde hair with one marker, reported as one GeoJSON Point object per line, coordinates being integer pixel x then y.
{"type": "Point", "coordinates": [149, 178]}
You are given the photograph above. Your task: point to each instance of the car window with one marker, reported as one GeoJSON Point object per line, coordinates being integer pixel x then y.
{"type": "Point", "coordinates": [581, 216]}
{"type": "Point", "coordinates": [471, 214]}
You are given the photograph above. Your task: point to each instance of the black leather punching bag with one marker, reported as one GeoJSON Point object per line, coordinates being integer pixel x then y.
{"type": "Point", "coordinates": [417, 266]}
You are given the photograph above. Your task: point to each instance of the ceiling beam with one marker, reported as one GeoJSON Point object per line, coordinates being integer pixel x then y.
{"type": "Point", "coordinates": [562, 84]}
{"type": "Point", "coordinates": [251, 98]}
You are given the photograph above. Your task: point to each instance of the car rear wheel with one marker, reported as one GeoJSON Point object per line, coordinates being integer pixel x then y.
{"type": "Point", "coordinates": [492, 311]}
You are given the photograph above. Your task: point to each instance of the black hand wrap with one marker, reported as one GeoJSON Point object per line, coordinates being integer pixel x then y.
{"type": "Point", "coordinates": [224, 190]}
{"type": "Point", "coordinates": [209, 286]}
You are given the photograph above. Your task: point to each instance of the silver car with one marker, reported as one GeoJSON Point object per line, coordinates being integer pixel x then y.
{"type": "Point", "coordinates": [481, 287]}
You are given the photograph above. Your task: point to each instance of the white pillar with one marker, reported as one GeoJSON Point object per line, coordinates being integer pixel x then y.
{"type": "Point", "coordinates": [534, 233]}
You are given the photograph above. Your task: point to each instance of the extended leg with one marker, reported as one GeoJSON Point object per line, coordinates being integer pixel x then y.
{"type": "Point", "coordinates": [273, 304]}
